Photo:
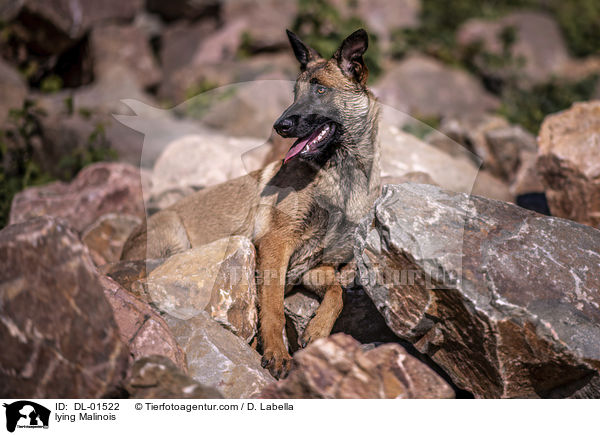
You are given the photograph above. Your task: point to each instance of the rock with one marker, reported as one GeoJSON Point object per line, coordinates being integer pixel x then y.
{"type": "Point", "coordinates": [98, 189]}
{"type": "Point", "coordinates": [196, 161]}
{"type": "Point", "coordinates": [252, 108]}
{"type": "Point", "coordinates": [505, 151]}
{"type": "Point", "coordinates": [179, 43]}
{"type": "Point", "coordinates": [9, 9]}
{"type": "Point", "coordinates": [129, 273]}
{"type": "Point", "coordinates": [125, 45]}
{"type": "Point", "coordinates": [361, 320]}
{"type": "Point", "coordinates": [426, 88]}
{"type": "Point", "coordinates": [410, 177]}
{"type": "Point", "coordinates": [381, 17]}
{"type": "Point", "coordinates": [503, 299]}
{"type": "Point", "coordinates": [359, 317]}
{"type": "Point", "coordinates": [13, 89]}
{"type": "Point", "coordinates": [457, 170]}
{"type": "Point", "coordinates": [508, 145]}
{"type": "Point", "coordinates": [569, 162]}
{"type": "Point", "coordinates": [58, 330]}
{"type": "Point", "coordinates": [262, 22]}
{"type": "Point", "coordinates": [94, 108]}
{"type": "Point", "coordinates": [527, 179]}
{"type": "Point", "coordinates": [402, 153]}
{"type": "Point", "coordinates": [336, 368]}
{"type": "Point", "coordinates": [140, 327]}
{"type": "Point", "coordinates": [538, 53]}
{"type": "Point", "coordinates": [156, 377]}
{"type": "Point", "coordinates": [189, 9]}
{"type": "Point", "coordinates": [161, 128]}
{"type": "Point", "coordinates": [210, 68]}
{"type": "Point", "coordinates": [470, 132]}
{"type": "Point", "coordinates": [491, 187]}
{"type": "Point", "coordinates": [299, 308]}
{"type": "Point", "coordinates": [217, 278]}
{"type": "Point", "coordinates": [149, 23]}
{"type": "Point", "coordinates": [218, 358]}
{"type": "Point", "coordinates": [105, 237]}
{"type": "Point", "coordinates": [59, 24]}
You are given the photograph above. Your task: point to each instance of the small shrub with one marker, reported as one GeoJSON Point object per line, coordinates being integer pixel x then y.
{"type": "Point", "coordinates": [528, 107]}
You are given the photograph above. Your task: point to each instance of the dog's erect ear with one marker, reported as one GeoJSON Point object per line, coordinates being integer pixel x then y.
{"type": "Point", "coordinates": [350, 56]}
{"type": "Point", "coordinates": [303, 52]}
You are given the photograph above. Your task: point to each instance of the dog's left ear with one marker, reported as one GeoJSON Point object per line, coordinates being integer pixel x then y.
{"type": "Point", "coordinates": [350, 56]}
{"type": "Point", "coordinates": [303, 52]}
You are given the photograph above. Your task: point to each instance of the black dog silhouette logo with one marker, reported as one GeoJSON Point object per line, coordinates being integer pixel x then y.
{"type": "Point", "coordinates": [26, 414]}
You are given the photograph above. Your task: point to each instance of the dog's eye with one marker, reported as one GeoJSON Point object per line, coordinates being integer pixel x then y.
{"type": "Point", "coordinates": [319, 89]}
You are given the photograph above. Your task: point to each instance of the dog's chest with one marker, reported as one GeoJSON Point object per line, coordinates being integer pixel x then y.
{"type": "Point", "coordinates": [330, 222]}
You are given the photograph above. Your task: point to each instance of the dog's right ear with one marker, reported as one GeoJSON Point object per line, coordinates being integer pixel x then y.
{"type": "Point", "coordinates": [303, 52]}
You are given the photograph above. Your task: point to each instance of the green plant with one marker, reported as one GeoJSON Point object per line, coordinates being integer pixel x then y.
{"type": "Point", "coordinates": [528, 107]}
{"type": "Point", "coordinates": [422, 126]}
{"type": "Point", "coordinates": [18, 141]}
{"type": "Point", "coordinates": [51, 84]}
{"type": "Point", "coordinates": [203, 96]}
{"type": "Point", "coordinates": [320, 25]}
{"type": "Point", "coordinates": [580, 23]}
{"type": "Point", "coordinates": [96, 149]}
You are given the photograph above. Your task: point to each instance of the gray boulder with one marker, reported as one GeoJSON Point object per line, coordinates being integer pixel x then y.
{"type": "Point", "coordinates": [503, 299]}
{"type": "Point", "coordinates": [218, 358]}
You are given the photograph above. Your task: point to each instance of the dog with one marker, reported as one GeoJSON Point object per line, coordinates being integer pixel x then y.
{"type": "Point", "coordinates": [300, 212]}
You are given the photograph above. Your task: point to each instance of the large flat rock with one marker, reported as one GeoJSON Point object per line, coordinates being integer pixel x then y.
{"type": "Point", "coordinates": [503, 299]}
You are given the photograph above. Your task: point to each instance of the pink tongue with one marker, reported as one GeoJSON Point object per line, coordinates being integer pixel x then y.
{"type": "Point", "coordinates": [299, 145]}
{"type": "Point", "coordinates": [294, 150]}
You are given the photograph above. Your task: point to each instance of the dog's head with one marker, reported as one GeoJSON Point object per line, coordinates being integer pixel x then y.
{"type": "Point", "coordinates": [331, 100]}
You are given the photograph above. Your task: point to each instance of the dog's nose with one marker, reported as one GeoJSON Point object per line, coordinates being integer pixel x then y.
{"type": "Point", "coordinates": [284, 126]}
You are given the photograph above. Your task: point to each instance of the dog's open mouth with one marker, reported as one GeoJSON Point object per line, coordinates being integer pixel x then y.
{"type": "Point", "coordinates": [311, 143]}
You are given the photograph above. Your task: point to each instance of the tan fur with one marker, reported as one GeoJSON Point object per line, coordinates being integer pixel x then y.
{"type": "Point", "coordinates": [299, 216]}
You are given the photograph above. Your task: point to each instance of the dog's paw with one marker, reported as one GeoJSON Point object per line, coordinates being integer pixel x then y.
{"type": "Point", "coordinates": [312, 334]}
{"type": "Point", "coordinates": [278, 362]}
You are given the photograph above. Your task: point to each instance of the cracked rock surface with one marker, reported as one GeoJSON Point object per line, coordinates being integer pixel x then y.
{"type": "Point", "coordinates": [337, 368]}
{"type": "Point", "coordinates": [505, 300]}
{"type": "Point", "coordinates": [55, 322]}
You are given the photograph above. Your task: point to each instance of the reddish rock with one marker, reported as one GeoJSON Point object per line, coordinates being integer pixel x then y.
{"type": "Point", "coordinates": [142, 328]}
{"type": "Point", "coordinates": [105, 237]}
{"type": "Point", "coordinates": [425, 87]}
{"type": "Point", "coordinates": [129, 273]}
{"type": "Point", "coordinates": [509, 146]}
{"type": "Point", "coordinates": [58, 331]}
{"type": "Point", "coordinates": [263, 23]}
{"type": "Point", "coordinates": [381, 17]}
{"type": "Point", "coordinates": [179, 43]}
{"type": "Point", "coordinates": [569, 162]}
{"type": "Point", "coordinates": [538, 53]}
{"type": "Point", "coordinates": [13, 89]}
{"type": "Point", "coordinates": [128, 46]}
{"type": "Point", "coordinates": [503, 299]}
{"type": "Point", "coordinates": [98, 189]}
{"type": "Point", "coordinates": [336, 368]}
{"type": "Point", "coordinates": [54, 25]}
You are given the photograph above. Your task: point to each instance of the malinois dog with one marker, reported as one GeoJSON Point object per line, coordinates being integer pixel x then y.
{"type": "Point", "coordinates": [300, 212]}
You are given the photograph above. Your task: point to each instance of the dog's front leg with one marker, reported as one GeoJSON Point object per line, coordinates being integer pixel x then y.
{"type": "Point", "coordinates": [273, 254]}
